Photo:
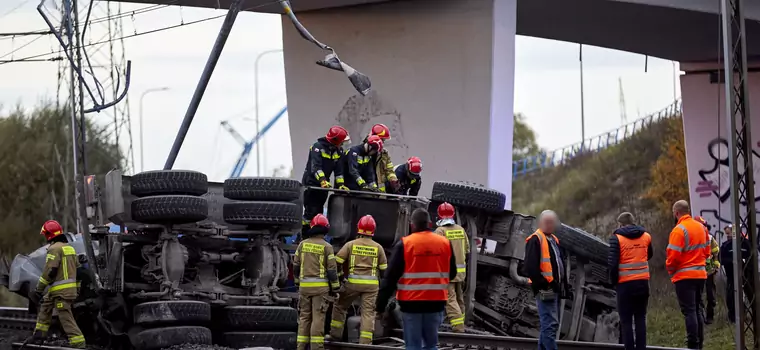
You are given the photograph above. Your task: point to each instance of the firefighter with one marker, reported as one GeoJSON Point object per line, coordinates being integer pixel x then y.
{"type": "Point", "coordinates": [712, 264]}
{"type": "Point", "coordinates": [60, 278]}
{"type": "Point", "coordinates": [460, 243]}
{"type": "Point", "coordinates": [365, 261]}
{"type": "Point", "coordinates": [314, 273]}
{"type": "Point", "coordinates": [324, 159]}
{"type": "Point", "coordinates": [687, 252]}
{"type": "Point", "coordinates": [408, 174]}
{"type": "Point", "coordinates": [383, 165]}
{"type": "Point", "coordinates": [358, 166]}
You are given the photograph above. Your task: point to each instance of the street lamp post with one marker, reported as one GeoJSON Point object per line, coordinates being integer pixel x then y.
{"type": "Point", "coordinates": [142, 153]}
{"type": "Point", "coordinates": [256, 99]}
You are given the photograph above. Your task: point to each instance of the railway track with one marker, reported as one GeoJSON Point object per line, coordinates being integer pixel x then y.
{"type": "Point", "coordinates": [16, 318]}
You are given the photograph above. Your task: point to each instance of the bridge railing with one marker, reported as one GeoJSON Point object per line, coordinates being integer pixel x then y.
{"type": "Point", "coordinates": [596, 143]}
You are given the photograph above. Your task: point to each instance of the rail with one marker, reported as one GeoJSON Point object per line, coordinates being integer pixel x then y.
{"type": "Point", "coordinates": [16, 318]}
{"type": "Point", "coordinates": [597, 143]}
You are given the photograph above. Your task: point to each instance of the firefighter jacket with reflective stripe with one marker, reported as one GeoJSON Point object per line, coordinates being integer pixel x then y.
{"type": "Point", "coordinates": [314, 267]}
{"type": "Point", "coordinates": [60, 272]}
{"type": "Point", "coordinates": [542, 261]}
{"type": "Point", "coordinates": [364, 260]}
{"type": "Point", "coordinates": [358, 168]}
{"type": "Point", "coordinates": [460, 243]}
{"type": "Point", "coordinates": [409, 184]}
{"type": "Point", "coordinates": [426, 268]}
{"type": "Point", "coordinates": [634, 258]}
{"type": "Point", "coordinates": [712, 263]}
{"type": "Point", "coordinates": [687, 250]}
{"type": "Point", "coordinates": [384, 171]}
{"type": "Point", "coordinates": [324, 159]}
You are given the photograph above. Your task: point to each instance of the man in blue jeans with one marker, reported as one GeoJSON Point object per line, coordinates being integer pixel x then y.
{"type": "Point", "coordinates": [420, 267]}
{"type": "Point", "coordinates": [547, 277]}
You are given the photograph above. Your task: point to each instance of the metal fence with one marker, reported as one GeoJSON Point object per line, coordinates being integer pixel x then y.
{"type": "Point", "coordinates": [594, 144]}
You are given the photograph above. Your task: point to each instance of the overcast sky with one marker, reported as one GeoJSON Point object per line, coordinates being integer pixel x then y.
{"type": "Point", "coordinates": [547, 85]}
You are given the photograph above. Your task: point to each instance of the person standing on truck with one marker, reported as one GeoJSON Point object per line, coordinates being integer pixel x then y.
{"type": "Point", "coordinates": [60, 278]}
{"type": "Point", "coordinates": [324, 159]}
{"type": "Point", "coordinates": [628, 265]}
{"type": "Point", "coordinates": [460, 243]}
{"type": "Point", "coordinates": [421, 266]}
{"type": "Point", "coordinates": [409, 179]}
{"type": "Point", "coordinates": [358, 165]}
{"type": "Point", "coordinates": [365, 261]}
{"type": "Point", "coordinates": [712, 264]}
{"type": "Point", "coordinates": [314, 273]}
{"type": "Point", "coordinates": [382, 160]}
{"type": "Point", "coordinates": [545, 268]}
{"type": "Point", "coordinates": [687, 253]}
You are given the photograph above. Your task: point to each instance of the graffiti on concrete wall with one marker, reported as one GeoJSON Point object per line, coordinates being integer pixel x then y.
{"type": "Point", "coordinates": [714, 186]}
{"type": "Point", "coordinates": [359, 113]}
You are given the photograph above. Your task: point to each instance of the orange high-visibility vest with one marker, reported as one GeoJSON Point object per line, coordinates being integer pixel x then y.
{"type": "Point", "coordinates": [427, 258]}
{"type": "Point", "coordinates": [634, 263]}
{"type": "Point", "coordinates": [546, 258]}
{"type": "Point", "coordinates": [687, 250]}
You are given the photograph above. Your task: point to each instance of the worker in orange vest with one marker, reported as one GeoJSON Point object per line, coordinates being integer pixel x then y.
{"type": "Point", "coordinates": [687, 252]}
{"type": "Point", "coordinates": [548, 278]}
{"type": "Point", "coordinates": [421, 266]}
{"type": "Point", "coordinates": [628, 265]}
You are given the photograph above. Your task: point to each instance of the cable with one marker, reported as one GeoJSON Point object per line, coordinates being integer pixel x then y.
{"type": "Point", "coordinates": [15, 8]}
{"type": "Point", "coordinates": [22, 46]}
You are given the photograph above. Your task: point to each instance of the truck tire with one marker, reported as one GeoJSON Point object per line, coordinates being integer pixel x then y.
{"type": "Point", "coordinates": [273, 318]}
{"type": "Point", "coordinates": [469, 195]}
{"type": "Point", "coordinates": [262, 213]}
{"type": "Point", "coordinates": [159, 338]}
{"type": "Point", "coordinates": [583, 244]}
{"type": "Point", "coordinates": [169, 209]}
{"type": "Point", "coordinates": [262, 189]}
{"type": "Point", "coordinates": [175, 311]}
{"type": "Point", "coordinates": [275, 340]}
{"type": "Point", "coordinates": [168, 182]}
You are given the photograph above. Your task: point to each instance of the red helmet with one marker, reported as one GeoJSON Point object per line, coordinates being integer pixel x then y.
{"type": "Point", "coordinates": [381, 131]}
{"type": "Point", "coordinates": [51, 229]}
{"type": "Point", "coordinates": [414, 164]}
{"type": "Point", "coordinates": [337, 135]}
{"type": "Point", "coordinates": [446, 211]}
{"type": "Point", "coordinates": [319, 220]}
{"type": "Point", "coordinates": [375, 143]}
{"type": "Point", "coordinates": [367, 225]}
{"type": "Point", "coordinates": [700, 220]}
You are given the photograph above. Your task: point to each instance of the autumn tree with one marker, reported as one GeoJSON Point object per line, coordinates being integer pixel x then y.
{"type": "Point", "coordinates": [669, 177]}
{"type": "Point", "coordinates": [524, 139]}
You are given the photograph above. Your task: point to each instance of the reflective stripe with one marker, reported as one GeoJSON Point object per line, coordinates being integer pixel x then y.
{"type": "Point", "coordinates": [43, 281]}
{"type": "Point", "coordinates": [413, 275]}
{"type": "Point", "coordinates": [317, 339]}
{"type": "Point", "coordinates": [633, 272]}
{"type": "Point", "coordinates": [313, 282]}
{"type": "Point", "coordinates": [55, 287]}
{"type": "Point", "coordinates": [335, 285]}
{"type": "Point", "coordinates": [303, 338]}
{"type": "Point", "coordinates": [382, 266]}
{"type": "Point", "coordinates": [360, 279]}
{"type": "Point", "coordinates": [339, 260]}
{"type": "Point", "coordinates": [331, 256]}
{"type": "Point", "coordinates": [674, 247]}
{"type": "Point", "coordinates": [461, 269]}
{"type": "Point", "coordinates": [686, 246]}
{"type": "Point", "coordinates": [339, 179]}
{"type": "Point", "coordinates": [336, 324]}
{"type": "Point", "coordinates": [457, 321]}
{"type": "Point", "coordinates": [546, 274]}
{"type": "Point", "coordinates": [68, 250]}
{"type": "Point", "coordinates": [423, 286]}
{"type": "Point", "coordinates": [43, 327]}
{"type": "Point", "coordinates": [77, 339]}
{"type": "Point", "coordinates": [49, 257]}
{"type": "Point", "coordinates": [691, 268]}
{"type": "Point", "coordinates": [365, 334]}
{"type": "Point", "coordinates": [360, 181]}
{"type": "Point", "coordinates": [634, 265]}
{"type": "Point", "coordinates": [319, 174]}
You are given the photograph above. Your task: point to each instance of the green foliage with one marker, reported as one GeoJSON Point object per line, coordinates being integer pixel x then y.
{"type": "Point", "coordinates": [524, 139]}
{"type": "Point", "coordinates": [36, 181]}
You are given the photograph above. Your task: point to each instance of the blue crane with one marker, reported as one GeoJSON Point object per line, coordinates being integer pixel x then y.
{"type": "Point", "coordinates": [248, 145]}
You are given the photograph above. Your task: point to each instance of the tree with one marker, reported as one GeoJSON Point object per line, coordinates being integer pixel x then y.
{"type": "Point", "coordinates": [36, 182]}
{"type": "Point", "coordinates": [670, 180]}
{"type": "Point", "coordinates": [524, 140]}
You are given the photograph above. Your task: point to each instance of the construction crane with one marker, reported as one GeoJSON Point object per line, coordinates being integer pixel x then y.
{"type": "Point", "coordinates": [623, 113]}
{"type": "Point", "coordinates": [248, 145]}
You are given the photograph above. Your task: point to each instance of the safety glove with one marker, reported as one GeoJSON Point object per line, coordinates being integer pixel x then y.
{"type": "Point", "coordinates": [324, 183]}
{"type": "Point", "coordinates": [343, 187]}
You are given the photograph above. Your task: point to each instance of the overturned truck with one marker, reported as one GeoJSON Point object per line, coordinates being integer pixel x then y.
{"type": "Point", "coordinates": [188, 251]}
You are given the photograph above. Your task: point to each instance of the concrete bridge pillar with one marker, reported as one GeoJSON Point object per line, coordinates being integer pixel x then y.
{"type": "Point", "coordinates": [443, 81]}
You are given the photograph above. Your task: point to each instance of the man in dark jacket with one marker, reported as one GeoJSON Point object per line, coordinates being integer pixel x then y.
{"type": "Point", "coordinates": [545, 267]}
{"type": "Point", "coordinates": [630, 249]}
{"type": "Point", "coordinates": [359, 167]}
{"type": "Point", "coordinates": [324, 159]}
{"type": "Point", "coordinates": [409, 179]}
{"type": "Point", "coordinates": [727, 261]}
{"type": "Point", "coordinates": [417, 268]}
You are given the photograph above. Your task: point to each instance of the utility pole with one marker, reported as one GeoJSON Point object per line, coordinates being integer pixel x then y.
{"type": "Point", "coordinates": [583, 114]}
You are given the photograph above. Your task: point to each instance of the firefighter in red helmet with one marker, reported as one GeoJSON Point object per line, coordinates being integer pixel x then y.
{"type": "Point", "coordinates": [324, 160]}
{"type": "Point", "coordinates": [409, 177]}
{"type": "Point", "coordinates": [59, 277]}
{"type": "Point", "coordinates": [314, 273]}
{"type": "Point", "coordinates": [358, 165]}
{"type": "Point", "coordinates": [460, 243]}
{"type": "Point", "coordinates": [382, 161]}
{"type": "Point", "coordinates": [365, 261]}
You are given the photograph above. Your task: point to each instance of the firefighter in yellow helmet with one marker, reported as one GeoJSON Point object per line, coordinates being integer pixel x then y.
{"type": "Point", "coordinates": [460, 243]}
{"type": "Point", "coordinates": [60, 278]}
{"type": "Point", "coordinates": [315, 275]}
{"type": "Point", "coordinates": [384, 169]}
{"type": "Point", "coordinates": [365, 261]}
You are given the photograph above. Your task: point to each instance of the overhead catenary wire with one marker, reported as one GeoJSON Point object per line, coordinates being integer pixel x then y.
{"type": "Point", "coordinates": [14, 9]}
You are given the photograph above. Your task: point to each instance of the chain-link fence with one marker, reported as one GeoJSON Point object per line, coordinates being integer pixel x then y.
{"type": "Point", "coordinates": [594, 144]}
